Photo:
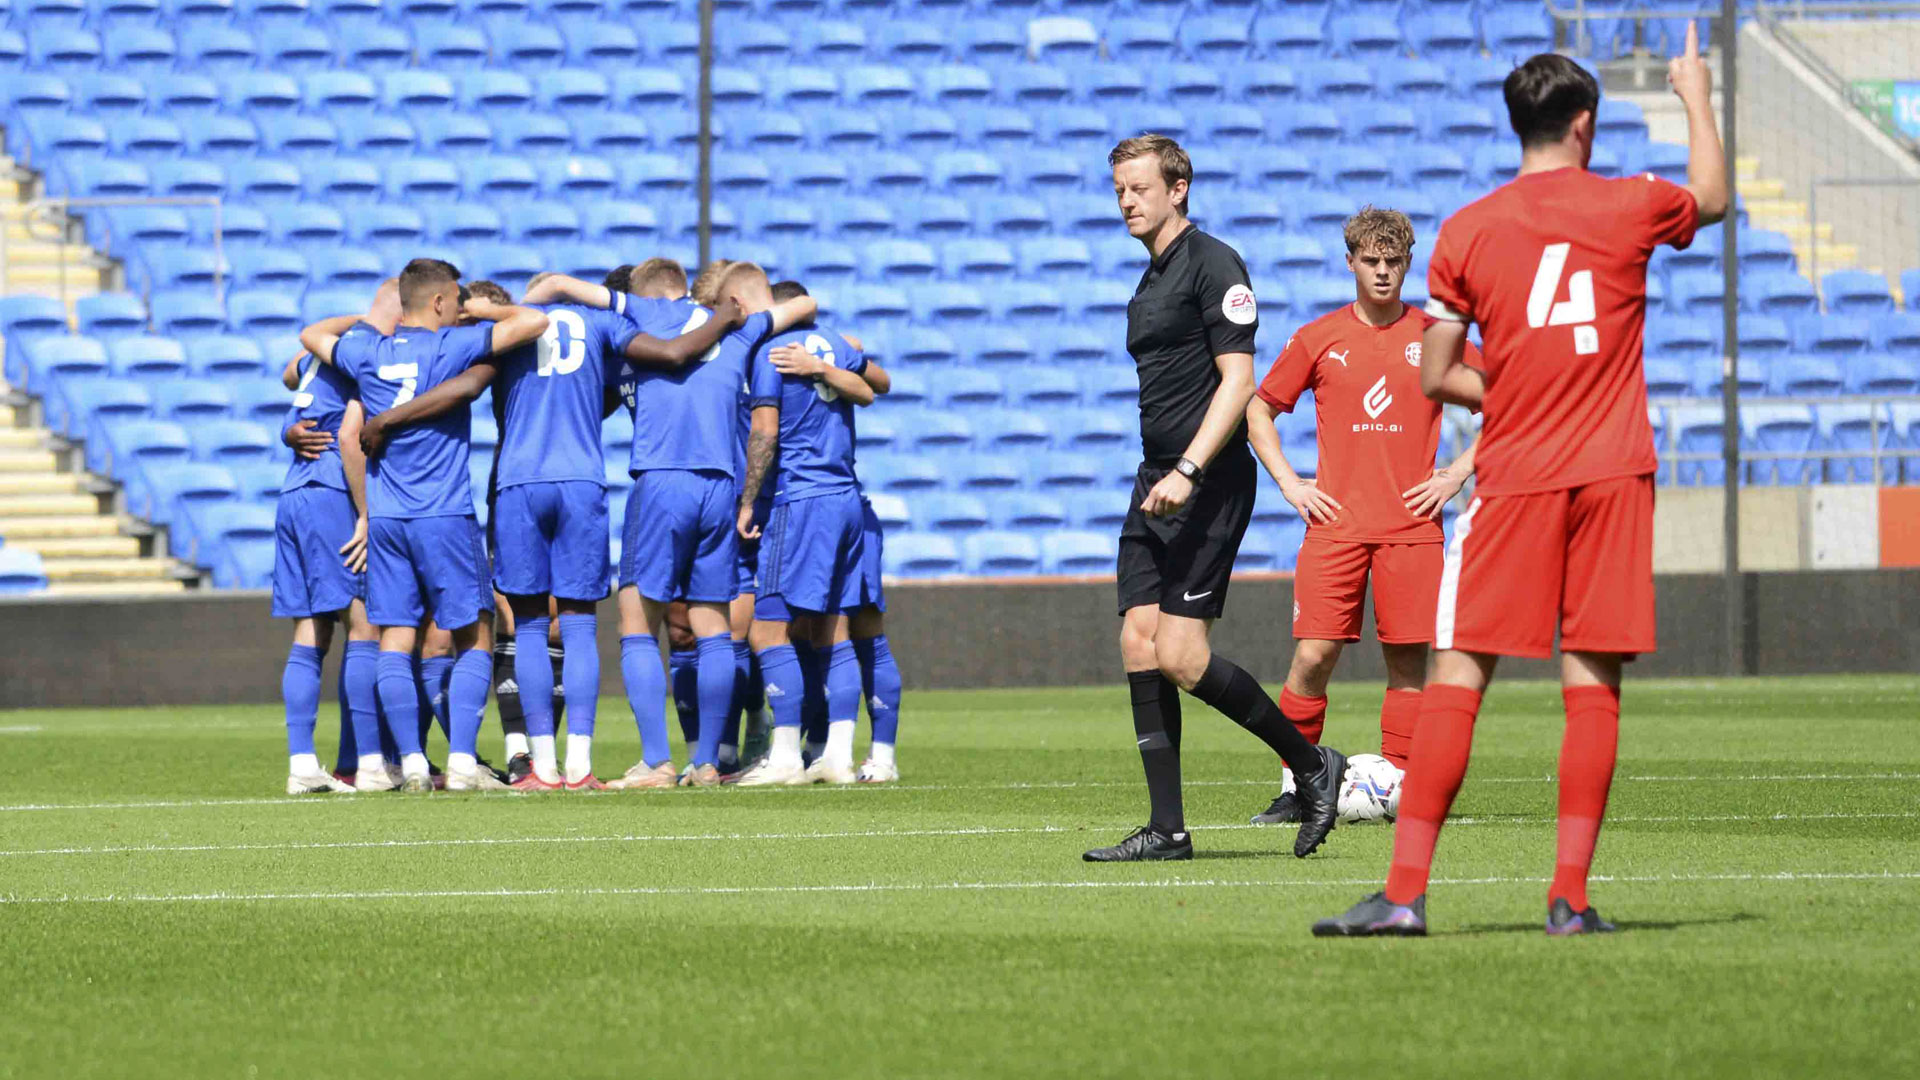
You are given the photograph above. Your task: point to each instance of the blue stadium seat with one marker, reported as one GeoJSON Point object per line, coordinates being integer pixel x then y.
{"type": "Point", "coordinates": [1761, 250]}
{"type": "Point", "coordinates": [110, 315]}
{"type": "Point", "coordinates": [1461, 122]}
{"type": "Point", "coordinates": [67, 50]}
{"type": "Point", "coordinates": [269, 182]}
{"type": "Point", "coordinates": [979, 472]}
{"type": "Point", "coordinates": [579, 176]}
{"type": "Point", "coordinates": [44, 362]}
{"type": "Point", "coordinates": [1028, 511]}
{"type": "Point", "coordinates": [339, 92]}
{"type": "Point", "coordinates": [422, 180]}
{"type": "Point", "coordinates": [511, 265]}
{"type": "Point", "coordinates": [227, 441]}
{"type": "Point", "coordinates": [1097, 430]}
{"type": "Point", "coordinates": [589, 262]}
{"type": "Point", "coordinates": [415, 89]}
{"type": "Point", "coordinates": [1856, 292]}
{"type": "Point", "coordinates": [187, 310]}
{"type": "Point", "coordinates": [108, 95]}
{"type": "Point", "coordinates": [1001, 345]}
{"type": "Point", "coordinates": [450, 47]}
{"type": "Point", "coordinates": [262, 311]}
{"type": "Point", "coordinates": [269, 267]}
{"type": "Point", "coordinates": [1214, 39]}
{"type": "Point", "coordinates": [1013, 431]}
{"type": "Point", "coordinates": [31, 92]}
{"type": "Point", "coordinates": [1898, 333]}
{"type": "Point", "coordinates": [999, 554]}
{"type": "Point", "coordinates": [921, 555]}
{"type": "Point", "coordinates": [376, 48]}
{"type": "Point", "coordinates": [132, 442]}
{"type": "Point", "coordinates": [1883, 373]}
{"type": "Point", "coordinates": [139, 50]}
{"type": "Point", "coordinates": [573, 90]}
{"type": "Point", "coordinates": [900, 473]}
{"type": "Point", "coordinates": [299, 137]}
{"type": "Point", "coordinates": [168, 268]}
{"type": "Point", "coordinates": [541, 223]}
{"type": "Point", "coordinates": [220, 138]}
{"type": "Point", "coordinates": [1367, 37]}
{"type": "Point", "coordinates": [225, 356]}
{"type": "Point", "coordinates": [462, 223]}
{"type": "Point", "coordinates": [1779, 293]}
{"type": "Point", "coordinates": [74, 403]}
{"type": "Point", "coordinates": [146, 358]}
{"type": "Point", "coordinates": [144, 225]}
{"type": "Point", "coordinates": [1697, 430]}
{"type": "Point", "coordinates": [619, 222]}
{"type": "Point", "coordinates": [379, 224]}
{"type": "Point", "coordinates": [1832, 335]}
{"type": "Point", "coordinates": [190, 400]}
{"type": "Point", "coordinates": [1517, 32]}
{"type": "Point", "coordinates": [323, 303]}
{"type": "Point", "coordinates": [1859, 427]}
{"type": "Point", "coordinates": [295, 47]}
{"type": "Point", "coordinates": [260, 91]}
{"type": "Point", "coordinates": [1779, 429]}
{"type": "Point", "coordinates": [1441, 35]}
{"type": "Point", "coordinates": [229, 531]}
{"type": "Point", "coordinates": [1806, 376]}
{"type": "Point", "coordinates": [1682, 339]}
{"type": "Point", "coordinates": [1062, 471]}
{"type": "Point", "coordinates": [609, 133]}
{"type": "Point", "coordinates": [1282, 35]}
{"type": "Point", "coordinates": [1146, 42]}
{"type": "Point", "coordinates": [601, 45]}
{"type": "Point", "coordinates": [307, 223]}
{"type": "Point", "coordinates": [1096, 511]}
{"type": "Point", "coordinates": [381, 136]}
{"type": "Point", "coordinates": [1697, 293]}
{"type": "Point", "coordinates": [21, 571]}
{"type": "Point", "coordinates": [1668, 377]}
{"type": "Point", "coordinates": [1259, 552]}
{"type": "Point", "coordinates": [532, 134]}
{"type": "Point", "coordinates": [49, 134]}
{"type": "Point", "coordinates": [533, 46]}
{"type": "Point", "coordinates": [1764, 337]}
{"type": "Point", "coordinates": [1620, 122]}
{"type": "Point", "coordinates": [497, 92]}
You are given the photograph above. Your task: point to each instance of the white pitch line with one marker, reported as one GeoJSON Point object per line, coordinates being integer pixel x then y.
{"type": "Point", "coordinates": [854, 834]}
{"type": "Point", "coordinates": [948, 886]}
{"type": "Point", "coordinates": [1062, 785]}
{"type": "Point", "coordinates": [19, 729]}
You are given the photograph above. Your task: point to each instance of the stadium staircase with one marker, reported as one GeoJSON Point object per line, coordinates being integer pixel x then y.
{"type": "Point", "coordinates": [60, 529]}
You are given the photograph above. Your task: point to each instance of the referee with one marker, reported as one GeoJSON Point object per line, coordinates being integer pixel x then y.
{"type": "Point", "coordinates": [1190, 330]}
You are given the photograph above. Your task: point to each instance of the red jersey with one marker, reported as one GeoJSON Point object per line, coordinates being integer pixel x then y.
{"type": "Point", "coordinates": [1378, 432]}
{"type": "Point", "coordinates": [1553, 266]}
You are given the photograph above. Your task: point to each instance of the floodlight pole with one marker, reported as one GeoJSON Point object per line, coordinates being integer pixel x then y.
{"type": "Point", "coordinates": [706, 132]}
{"type": "Point", "coordinates": [1737, 660]}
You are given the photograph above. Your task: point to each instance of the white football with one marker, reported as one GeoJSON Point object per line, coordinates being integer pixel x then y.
{"type": "Point", "coordinates": [1371, 790]}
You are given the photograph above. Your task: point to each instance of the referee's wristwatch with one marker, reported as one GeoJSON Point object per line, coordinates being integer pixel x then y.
{"type": "Point", "coordinates": [1188, 469]}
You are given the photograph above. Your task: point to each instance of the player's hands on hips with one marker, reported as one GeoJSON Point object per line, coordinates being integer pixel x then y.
{"type": "Point", "coordinates": [796, 361]}
{"type": "Point", "coordinates": [373, 437]}
{"type": "Point", "coordinates": [1427, 497]}
{"type": "Point", "coordinates": [1690, 77]}
{"type": "Point", "coordinates": [354, 551]}
{"type": "Point", "coordinates": [1167, 496]}
{"type": "Point", "coordinates": [746, 526]}
{"type": "Point", "coordinates": [1315, 506]}
{"type": "Point", "coordinates": [307, 442]}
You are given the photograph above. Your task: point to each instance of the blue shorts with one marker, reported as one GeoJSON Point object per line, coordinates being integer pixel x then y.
{"type": "Point", "coordinates": [749, 562]}
{"type": "Point", "coordinates": [811, 553]}
{"type": "Point", "coordinates": [552, 538]}
{"type": "Point", "coordinates": [678, 542]}
{"type": "Point", "coordinates": [310, 576]}
{"type": "Point", "coordinates": [873, 545]}
{"type": "Point", "coordinates": [427, 566]}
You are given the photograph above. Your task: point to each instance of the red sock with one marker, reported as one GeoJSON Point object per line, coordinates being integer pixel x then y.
{"type": "Point", "coordinates": [1309, 714]}
{"type": "Point", "coordinates": [1441, 744]}
{"type": "Point", "coordinates": [1587, 753]}
{"type": "Point", "coordinates": [1399, 719]}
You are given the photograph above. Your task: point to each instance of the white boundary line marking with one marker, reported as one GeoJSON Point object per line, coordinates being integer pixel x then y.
{"type": "Point", "coordinates": [1063, 785]}
{"type": "Point", "coordinates": [854, 834]}
{"type": "Point", "coordinates": [948, 886]}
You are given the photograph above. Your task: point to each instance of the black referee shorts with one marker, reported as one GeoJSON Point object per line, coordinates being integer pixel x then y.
{"type": "Point", "coordinates": [1182, 561]}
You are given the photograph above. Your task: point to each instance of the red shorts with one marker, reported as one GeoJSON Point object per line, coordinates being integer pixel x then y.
{"type": "Point", "coordinates": [1580, 559]}
{"type": "Point", "coordinates": [1330, 587]}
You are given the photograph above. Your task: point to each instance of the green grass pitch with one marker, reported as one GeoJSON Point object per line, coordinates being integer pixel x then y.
{"type": "Point", "coordinates": [171, 915]}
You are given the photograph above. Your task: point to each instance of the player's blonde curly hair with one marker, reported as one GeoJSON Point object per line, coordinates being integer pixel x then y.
{"type": "Point", "coordinates": [1375, 227]}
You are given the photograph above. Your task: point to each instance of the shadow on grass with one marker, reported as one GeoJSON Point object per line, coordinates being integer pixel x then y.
{"type": "Point", "coordinates": [1214, 853]}
{"type": "Point", "coordinates": [1626, 927]}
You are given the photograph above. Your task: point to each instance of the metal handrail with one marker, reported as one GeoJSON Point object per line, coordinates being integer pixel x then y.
{"type": "Point", "coordinates": [39, 209]}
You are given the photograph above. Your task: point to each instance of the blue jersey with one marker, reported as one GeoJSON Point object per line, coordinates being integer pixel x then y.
{"type": "Point", "coordinates": [423, 472]}
{"type": "Point", "coordinates": [322, 398]}
{"type": "Point", "coordinates": [816, 423]}
{"type": "Point", "coordinates": [552, 389]}
{"type": "Point", "coordinates": [689, 417]}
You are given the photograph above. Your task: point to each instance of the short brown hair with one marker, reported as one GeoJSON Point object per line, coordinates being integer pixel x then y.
{"type": "Point", "coordinates": [1545, 94]}
{"type": "Point", "coordinates": [706, 287]}
{"type": "Point", "coordinates": [489, 291]}
{"type": "Point", "coordinates": [422, 278]}
{"type": "Point", "coordinates": [1376, 227]}
{"type": "Point", "coordinates": [784, 291]}
{"type": "Point", "coordinates": [1175, 165]}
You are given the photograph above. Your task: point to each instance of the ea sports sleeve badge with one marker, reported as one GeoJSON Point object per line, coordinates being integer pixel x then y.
{"type": "Point", "coordinates": [1239, 307]}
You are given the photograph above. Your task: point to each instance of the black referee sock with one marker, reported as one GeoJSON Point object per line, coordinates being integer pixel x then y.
{"type": "Point", "coordinates": [1227, 687]}
{"type": "Point", "coordinates": [1156, 727]}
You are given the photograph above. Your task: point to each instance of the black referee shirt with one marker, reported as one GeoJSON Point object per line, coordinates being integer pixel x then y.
{"type": "Point", "coordinates": [1194, 303]}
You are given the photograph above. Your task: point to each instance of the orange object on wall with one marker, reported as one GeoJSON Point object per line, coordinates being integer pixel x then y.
{"type": "Point", "coordinates": [1900, 526]}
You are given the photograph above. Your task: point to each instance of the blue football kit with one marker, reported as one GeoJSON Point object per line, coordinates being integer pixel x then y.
{"type": "Point", "coordinates": [812, 554]}
{"type": "Point", "coordinates": [425, 552]}
{"type": "Point", "coordinates": [550, 520]}
{"type": "Point", "coordinates": [315, 514]}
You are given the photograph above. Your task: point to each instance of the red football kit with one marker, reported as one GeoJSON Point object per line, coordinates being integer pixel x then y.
{"type": "Point", "coordinates": [1378, 435]}
{"type": "Point", "coordinates": [1553, 268]}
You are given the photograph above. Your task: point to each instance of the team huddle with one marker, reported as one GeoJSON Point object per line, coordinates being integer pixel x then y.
{"type": "Point", "coordinates": [747, 527]}
{"type": "Point", "coordinates": [746, 533]}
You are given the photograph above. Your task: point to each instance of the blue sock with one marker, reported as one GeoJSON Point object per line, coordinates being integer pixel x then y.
{"type": "Point", "coordinates": [780, 669]}
{"type": "Point", "coordinates": [646, 694]}
{"type": "Point", "coordinates": [683, 668]}
{"type": "Point", "coordinates": [300, 689]}
{"type": "Point", "coordinates": [435, 673]}
{"type": "Point", "coordinates": [881, 677]}
{"type": "Point", "coordinates": [843, 683]}
{"type": "Point", "coordinates": [346, 753]}
{"type": "Point", "coordinates": [533, 672]}
{"type": "Point", "coordinates": [580, 671]}
{"type": "Point", "coordinates": [716, 695]}
{"type": "Point", "coordinates": [389, 749]}
{"type": "Point", "coordinates": [743, 675]}
{"type": "Point", "coordinates": [358, 673]}
{"type": "Point", "coordinates": [400, 697]}
{"type": "Point", "coordinates": [813, 666]}
{"type": "Point", "coordinates": [467, 687]}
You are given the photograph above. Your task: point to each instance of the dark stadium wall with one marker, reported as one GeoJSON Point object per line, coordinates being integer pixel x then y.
{"type": "Point", "coordinates": [221, 648]}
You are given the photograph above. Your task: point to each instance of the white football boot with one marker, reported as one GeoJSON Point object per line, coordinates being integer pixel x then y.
{"type": "Point", "coordinates": [772, 773]}
{"type": "Point", "coordinates": [304, 783]}
{"type": "Point", "coordinates": [828, 769]}
{"type": "Point", "coordinates": [474, 778]}
{"type": "Point", "coordinates": [381, 779]}
{"type": "Point", "coordinates": [873, 772]}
